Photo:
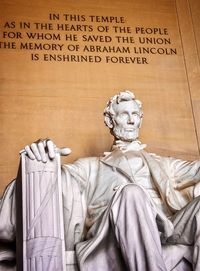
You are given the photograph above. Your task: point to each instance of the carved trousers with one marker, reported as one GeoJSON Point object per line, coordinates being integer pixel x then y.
{"type": "Point", "coordinates": [129, 237]}
{"type": "Point", "coordinates": [133, 219]}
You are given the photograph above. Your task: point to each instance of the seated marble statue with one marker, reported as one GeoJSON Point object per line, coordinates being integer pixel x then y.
{"type": "Point", "coordinates": [141, 210]}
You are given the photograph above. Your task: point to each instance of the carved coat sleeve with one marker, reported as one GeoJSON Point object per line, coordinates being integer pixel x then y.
{"type": "Point", "coordinates": [184, 180]}
{"type": "Point", "coordinates": [78, 180]}
{"type": "Point", "coordinates": [185, 176]}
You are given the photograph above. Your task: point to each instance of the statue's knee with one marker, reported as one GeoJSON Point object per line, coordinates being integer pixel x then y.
{"type": "Point", "coordinates": [133, 192]}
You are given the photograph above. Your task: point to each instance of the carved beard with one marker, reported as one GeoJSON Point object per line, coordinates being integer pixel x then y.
{"type": "Point", "coordinates": [122, 134]}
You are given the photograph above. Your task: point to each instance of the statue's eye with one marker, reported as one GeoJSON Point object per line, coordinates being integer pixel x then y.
{"type": "Point", "coordinates": [123, 114]}
{"type": "Point", "coordinates": [135, 114]}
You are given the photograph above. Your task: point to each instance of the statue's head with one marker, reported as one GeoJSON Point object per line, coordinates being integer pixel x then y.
{"type": "Point", "coordinates": [123, 116]}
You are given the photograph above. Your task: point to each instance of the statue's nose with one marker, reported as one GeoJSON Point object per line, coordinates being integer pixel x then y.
{"type": "Point", "coordinates": [131, 119]}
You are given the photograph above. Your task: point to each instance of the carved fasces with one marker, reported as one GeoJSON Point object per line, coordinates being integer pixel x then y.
{"type": "Point", "coordinates": [43, 227]}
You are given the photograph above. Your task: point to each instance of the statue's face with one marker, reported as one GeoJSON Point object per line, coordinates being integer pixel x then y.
{"type": "Point", "coordinates": [126, 120]}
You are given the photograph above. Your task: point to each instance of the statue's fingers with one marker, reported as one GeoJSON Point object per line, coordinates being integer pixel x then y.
{"type": "Point", "coordinates": [51, 148]}
{"type": "Point", "coordinates": [41, 149]}
{"type": "Point", "coordinates": [29, 152]}
{"type": "Point", "coordinates": [35, 151]}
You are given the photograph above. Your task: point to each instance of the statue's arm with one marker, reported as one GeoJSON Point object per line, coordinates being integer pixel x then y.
{"type": "Point", "coordinates": [84, 172]}
{"type": "Point", "coordinates": [79, 184]}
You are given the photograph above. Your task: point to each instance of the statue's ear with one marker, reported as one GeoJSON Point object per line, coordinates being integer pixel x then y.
{"type": "Point", "coordinates": [140, 123]}
{"type": "Point", "coordinates": [141, 118]}
{"type": "Point", "coordinates": [108, 122]}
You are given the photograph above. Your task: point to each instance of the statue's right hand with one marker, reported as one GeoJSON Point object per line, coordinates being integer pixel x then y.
{"type": "Point", "coordinates": [42, 148]}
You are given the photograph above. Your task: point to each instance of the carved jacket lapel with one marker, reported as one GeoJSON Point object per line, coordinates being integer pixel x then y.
{"type": "Point", "coordinates": [116, 159]}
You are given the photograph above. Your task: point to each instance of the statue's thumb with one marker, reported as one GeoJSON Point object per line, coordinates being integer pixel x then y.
{"type": "Point", "coordinates": [64, 151]}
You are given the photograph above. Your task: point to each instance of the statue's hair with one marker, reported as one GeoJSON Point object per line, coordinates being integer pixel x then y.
{"type": "Point", "coordinates": [122, 96]}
